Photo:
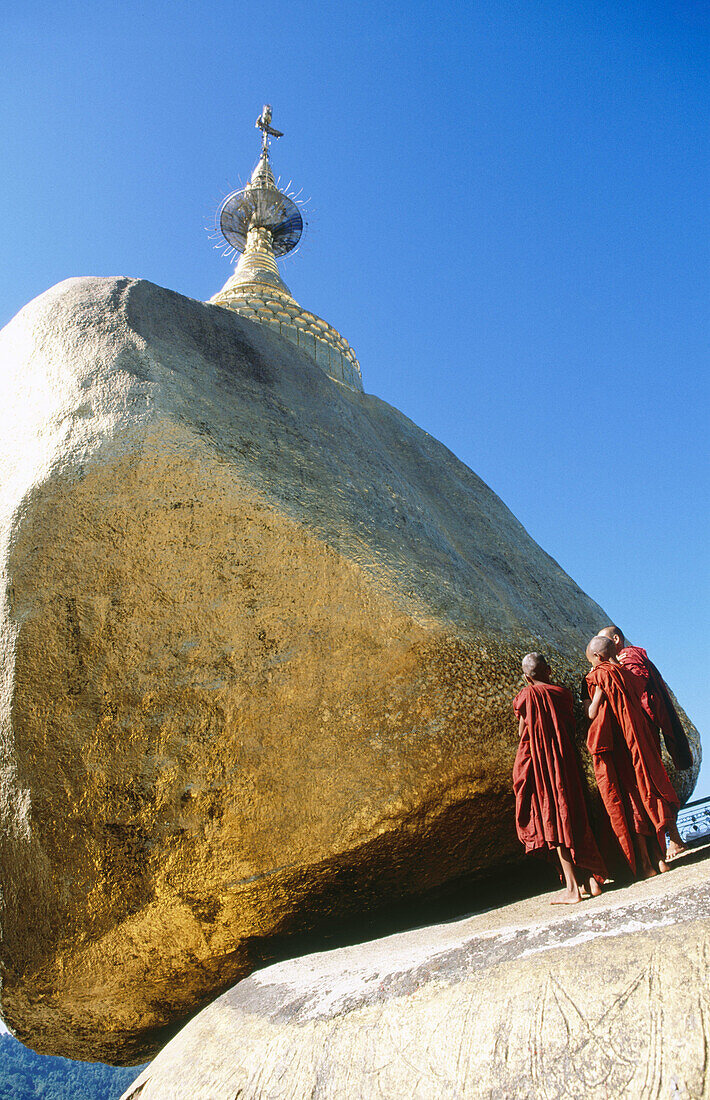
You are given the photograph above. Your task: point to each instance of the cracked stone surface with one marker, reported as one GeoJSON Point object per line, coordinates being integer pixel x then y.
{"type": "Point", "coordinates": [259, 639]}
{"type": "Point", "coordinates": [610, 998]}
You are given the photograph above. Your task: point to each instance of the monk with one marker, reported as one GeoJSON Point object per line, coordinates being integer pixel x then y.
{"type": "Point", "coordinates": [656, 698]}
{"type": "Point", "coordinates": [634, 785]}
{"type": "Point", "coordinates": [550, 812]}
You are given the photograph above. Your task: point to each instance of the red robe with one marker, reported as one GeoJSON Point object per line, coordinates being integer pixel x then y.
{"type": "Point", "coordinates": [616, 781]}
{"type": "Point", "coordinates": [634, 785]}
{"type": "Point", "coordinates": [549, 797]}
{"type": "Point", "coordinates": [658, 705]}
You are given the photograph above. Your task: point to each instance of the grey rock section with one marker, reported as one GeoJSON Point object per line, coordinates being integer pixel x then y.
{"type": "Point", "coordinates": [259, 638]}
{"type": "Point", "coordinates": [606, 999]}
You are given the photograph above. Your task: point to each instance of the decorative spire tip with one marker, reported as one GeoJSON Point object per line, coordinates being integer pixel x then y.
{"type": "Point", "coordinates": [267, 130]}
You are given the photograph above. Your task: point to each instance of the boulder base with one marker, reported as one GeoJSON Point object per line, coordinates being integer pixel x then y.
{"type": "Point", "coordinates": [260, 635]}
{"type": "Point", "coordinates": [606, 999]}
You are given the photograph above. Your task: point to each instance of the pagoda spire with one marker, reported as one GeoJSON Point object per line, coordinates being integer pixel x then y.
{"type": "Point", "coordinates": [262, 223]}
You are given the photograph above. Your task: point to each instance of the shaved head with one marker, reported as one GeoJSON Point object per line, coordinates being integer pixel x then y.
{"type": "Point", "coordinates": [611, 632]}
{"type": "Point", "coordinates": [535, 666]}
{"type": "Point", "coordinates": [601, 647]}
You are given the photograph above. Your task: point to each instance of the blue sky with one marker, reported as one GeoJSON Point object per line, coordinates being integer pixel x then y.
{"type": "Point", "coordinates": [509, 223]}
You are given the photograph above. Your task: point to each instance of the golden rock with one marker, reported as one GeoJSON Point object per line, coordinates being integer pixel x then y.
{"type": "Point", "coordinates": [260, 637]}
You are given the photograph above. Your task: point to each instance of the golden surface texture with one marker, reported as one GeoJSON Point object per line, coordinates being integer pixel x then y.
{"type": "Point", "coordinates": [260, 636]}
{"type": "Point", "coordinates": [608, 1000]}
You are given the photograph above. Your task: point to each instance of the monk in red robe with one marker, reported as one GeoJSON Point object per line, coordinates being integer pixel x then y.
{"type": "Point", "coordinates": [637, 793]}
{"type": "Point", "coordinates": [550, 812]}
{"type": "Point", "coordinates": [656, 698]}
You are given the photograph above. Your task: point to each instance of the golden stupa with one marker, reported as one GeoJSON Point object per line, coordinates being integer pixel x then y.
{"type": "Point", "coordinates": [262, 222]}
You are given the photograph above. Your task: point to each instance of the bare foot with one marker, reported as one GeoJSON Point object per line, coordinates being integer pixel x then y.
{"type": "Point", "coordinates": [674, 850]}
{"type": "Point", "coordinates": [662, 866]}
{"type": "Point", "coordinates": [594, 888]}
{"type": "Point", "coordinates": [566, 897]}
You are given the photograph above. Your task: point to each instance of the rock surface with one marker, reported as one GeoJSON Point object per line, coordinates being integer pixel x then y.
{"type": "Point", "coordinates": [606, 999]}
{"type": "Point", "coordinates": [260, 634]}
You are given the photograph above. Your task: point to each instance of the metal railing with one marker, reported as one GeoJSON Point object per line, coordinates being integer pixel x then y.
{"type": "Point", "coordinates": [694, 821]}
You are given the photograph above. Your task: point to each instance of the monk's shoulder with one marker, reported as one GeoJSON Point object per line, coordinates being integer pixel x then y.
{"type": "Point", "coordinates": [555, 692]}
{"type": "Point", "coordinates": [633, 654]}
{"type": "Point", "coordinates": [559, 692]}
{"type": "Point", "coordinates": [606, 675]}
{"type": "Point", "coordinates": [626, 672]}
{"type": "Point", "coordinates": [562, 701]}
{"type": "Point", "coordinates": [633, 678]}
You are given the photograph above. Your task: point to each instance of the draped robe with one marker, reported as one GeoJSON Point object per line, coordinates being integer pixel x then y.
{"type": "Point", "coordinates": [657, 702]}
{"type": "Point", "coordinates": [634, 785]}
{"type": "Point", "coordinates": [549, 798]}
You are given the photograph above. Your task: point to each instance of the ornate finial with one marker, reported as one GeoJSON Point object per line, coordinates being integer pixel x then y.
{"type": "Point", "coordinates": [262, 222]}
{"type": "Point", "coordinates": [261, 212]}
{"type": "Point", "coordinates": [264, 124]}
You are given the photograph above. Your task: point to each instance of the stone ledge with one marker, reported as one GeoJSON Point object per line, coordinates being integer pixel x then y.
{"type": "Point", "coordinates": [606, 999]}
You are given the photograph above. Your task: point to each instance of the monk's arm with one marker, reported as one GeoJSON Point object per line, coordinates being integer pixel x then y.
{"type": "Point", "coordinates": [593, 708]}
{"type": "Point", "coordinates": [521, 726]}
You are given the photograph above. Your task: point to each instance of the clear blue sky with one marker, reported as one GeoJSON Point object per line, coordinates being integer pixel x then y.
{"type": "Point", "coordinates": [509, 222]}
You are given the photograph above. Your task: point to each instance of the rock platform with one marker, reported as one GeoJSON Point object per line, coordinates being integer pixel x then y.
{"type": "Point", "coordinates": [606, 999]}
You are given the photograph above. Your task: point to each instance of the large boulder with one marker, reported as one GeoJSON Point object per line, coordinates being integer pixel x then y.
{"type": "Point", "coordinates": [609, 999]}
{"type": "Point", "coordinates": [260, 634]}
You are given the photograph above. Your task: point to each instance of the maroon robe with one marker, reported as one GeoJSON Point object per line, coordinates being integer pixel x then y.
{"type": "Point", "coordinates": [616, 781]}
{"type": "Point", "coordinates": [549, 798]}
{"type": "Point", "coordinates": [642, 792]}
{"type": "Point", "coordinates": [657, 703]}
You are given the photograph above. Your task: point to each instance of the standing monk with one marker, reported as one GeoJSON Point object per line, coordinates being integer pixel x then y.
{"type": "Point", "coordinates": [656, 698]}
{"type": "Point", "coordinates": [645, 789]}
{"type": "Point", "coordinates": [550, 812]}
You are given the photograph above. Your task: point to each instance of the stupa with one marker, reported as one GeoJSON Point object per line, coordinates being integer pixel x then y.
{"type": "Point", "coordinates": [261, 222]}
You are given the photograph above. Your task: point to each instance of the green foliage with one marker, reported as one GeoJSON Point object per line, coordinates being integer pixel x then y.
{"type": "Point", "coordinates": [25, 1075]}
